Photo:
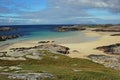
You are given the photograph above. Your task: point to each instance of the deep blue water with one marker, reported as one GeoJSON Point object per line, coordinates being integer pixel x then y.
{"type": "Point", "coordinates": [29, 29]}
{"type": "Point", "coordinates": [41, 32]}
{"type": "Point", "coordinates": [36, 32]}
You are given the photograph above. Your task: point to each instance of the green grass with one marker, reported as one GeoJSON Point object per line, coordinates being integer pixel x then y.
{"type": "Point", "coordinates": [63, 68]}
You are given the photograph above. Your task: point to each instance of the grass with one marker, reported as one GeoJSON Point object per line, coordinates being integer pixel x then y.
{"type": "Point", "coordinates": [66, 68]}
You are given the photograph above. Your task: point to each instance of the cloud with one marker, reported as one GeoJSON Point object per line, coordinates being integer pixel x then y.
{"type": "Point", "coordinates": [112, 5]}
{"type": "Point", "coordinates": [59, 11]}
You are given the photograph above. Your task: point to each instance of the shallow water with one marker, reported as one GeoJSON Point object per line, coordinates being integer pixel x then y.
{"type": "Point", "coordinates": [44, 32]}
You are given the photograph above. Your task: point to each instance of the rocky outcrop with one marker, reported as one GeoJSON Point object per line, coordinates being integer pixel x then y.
{"type": "Point", "coordinates": [33, 52]}
{"type": "Point", "coordinates": [46, 42]}
{"type": "Point", "coordinates": [6, 28]}
{"type": "Point", "coordinates": [11, 58]}
{"type": "Point", "coordinates": [111, 49]}
{"type": "Point", "coordinates": [51, 47]}
{"type": "Point", "coordinates": [70, 28]}
{"type": "Point", "coordinates": [108, 61]}
{"type": "Point", "coordinates": [108, 29]}
{"type": "Point", "coordinates": [6, 37]}
{"type": "Point", "coordinates": [3, 54]}
{"type": "Point", "coordinates": [115, 35]}
{"type": "Point", "coordinates": [14, 68]}
{"type": "Point", "coordinates": [112, 60]}
{"type": "Point", "coordinates": [29, 76]}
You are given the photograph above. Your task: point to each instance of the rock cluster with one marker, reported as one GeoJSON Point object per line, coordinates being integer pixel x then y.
{"type": "Point", "coordinates": [112, 60]}
{"type": "Point", "coordinates": [70, 28]}
{"type": "Point", "coordinates": [6, 37]}
{"type": "Point", "coordinates": [46, 42]}
{"type": "Point", "coordinates": [33, 52]}
{"type": "Point", "coordinates": [108, 61]}
{"type": "Point", "coordinates": [6, 28]}
{"type": "Point", "coordinates": [51, 47]}
{"type": "Point", "coordinates": [29, 76]}
{"type": "Point", "coordinates": [108, 29]}
{"type": "Point", "coordinates": [115, 35]}
{"type": "Point", "coordinates": [3, 54]}
{"type": "Point", "coordinates": [111, 49]}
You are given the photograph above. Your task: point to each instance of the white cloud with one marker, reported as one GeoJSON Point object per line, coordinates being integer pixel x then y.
{"type": "Point", "coordinates": [71, 11]}
{"type": "Point", "coordinates": [112, 5]}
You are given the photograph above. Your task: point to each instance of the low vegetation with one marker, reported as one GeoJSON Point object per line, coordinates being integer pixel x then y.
{"type": "Point", "coordinates": [63, 67]}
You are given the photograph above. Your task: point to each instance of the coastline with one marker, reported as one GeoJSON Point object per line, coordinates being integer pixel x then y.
{"type": "Point", "coordinates": [88, 48]}
{"type": "Point", "coordinates": [75, 37]}
{"type": "Point", "coordinates": [78, 49]}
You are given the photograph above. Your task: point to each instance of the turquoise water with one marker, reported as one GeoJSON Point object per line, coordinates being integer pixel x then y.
{"type": "Point", "coordinates": [49, 35]}
{"type": "Point", "coordinates": [43, 32]}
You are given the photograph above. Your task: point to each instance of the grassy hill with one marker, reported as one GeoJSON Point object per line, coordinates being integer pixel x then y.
{"type": "Point", "coordinates": [63, 67]}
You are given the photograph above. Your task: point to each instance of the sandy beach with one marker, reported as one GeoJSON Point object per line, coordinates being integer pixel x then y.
{"type": "Point", "coordinates": [88, 48]}
{"type": "Point", "coordinates": [78, 49]}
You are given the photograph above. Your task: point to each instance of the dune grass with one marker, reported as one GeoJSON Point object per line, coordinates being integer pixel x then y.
{"type": "Point", "coordinates": [65, 68]}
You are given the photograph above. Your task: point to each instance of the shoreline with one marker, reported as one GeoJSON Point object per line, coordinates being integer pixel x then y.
{"type": "Point", "coordinates": [76, 38]}
{"type": "Point", "coordinates": [77, 50]}
{"type": "Point", "coordinates": [89, 48]}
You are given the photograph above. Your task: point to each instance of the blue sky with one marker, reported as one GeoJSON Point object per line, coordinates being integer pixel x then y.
{"type": "Point", "coordinates": [21, 12]}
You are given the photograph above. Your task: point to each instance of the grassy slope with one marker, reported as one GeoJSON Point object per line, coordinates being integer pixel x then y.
{"type": "Point", "coordinates": [63, 68]}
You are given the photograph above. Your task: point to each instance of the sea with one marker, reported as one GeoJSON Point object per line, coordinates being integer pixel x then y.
{"type": "Point", "coordinates": [40, 32]}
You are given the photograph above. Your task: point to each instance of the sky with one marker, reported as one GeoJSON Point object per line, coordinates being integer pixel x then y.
{"type": "Point", "coordinates": [24, 12]}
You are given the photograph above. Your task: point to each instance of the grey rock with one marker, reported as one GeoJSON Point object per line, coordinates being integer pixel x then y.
{"type": "Point", "coordinates": [7, 28]}
{"type": "Point", "coordinates": [31, 76]}
{"type": "Point", "coordinates": [108, 29]}
{"type": "Point", "coordinates": [70, 28]}
{"type": "Point", "coordinates": [12, 58]}
{"type": "Point", "coordinates": [34, 52]}
{"type": "Point", "coordinates": [1, 67]}
{"type": "Point", "coordinates": [6, 37]}
{"type": "Point", "coordinates": [15, 68]}
{"type": "Point", "coordinates": [3, 53]}
{"type": "Point", "coordinates": [113, 49]}
{"type": "Point", "coordinates": [108, 61]}
{"type": "Point", "coordinates": [33, 57]}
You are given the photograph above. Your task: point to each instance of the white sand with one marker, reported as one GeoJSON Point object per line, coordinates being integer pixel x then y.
{"type": "Point", "coordinates": [88, 48]}
{"type": "Point", "coordinates": [84, 49]}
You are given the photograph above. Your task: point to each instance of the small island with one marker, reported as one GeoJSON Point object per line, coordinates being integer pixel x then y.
{"type": "Point", "coordinates": [7, 28]}
{"type": "Point", "coordinates": [4, 37]}
{"type": "Point", "coordinates": [70, 28]}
